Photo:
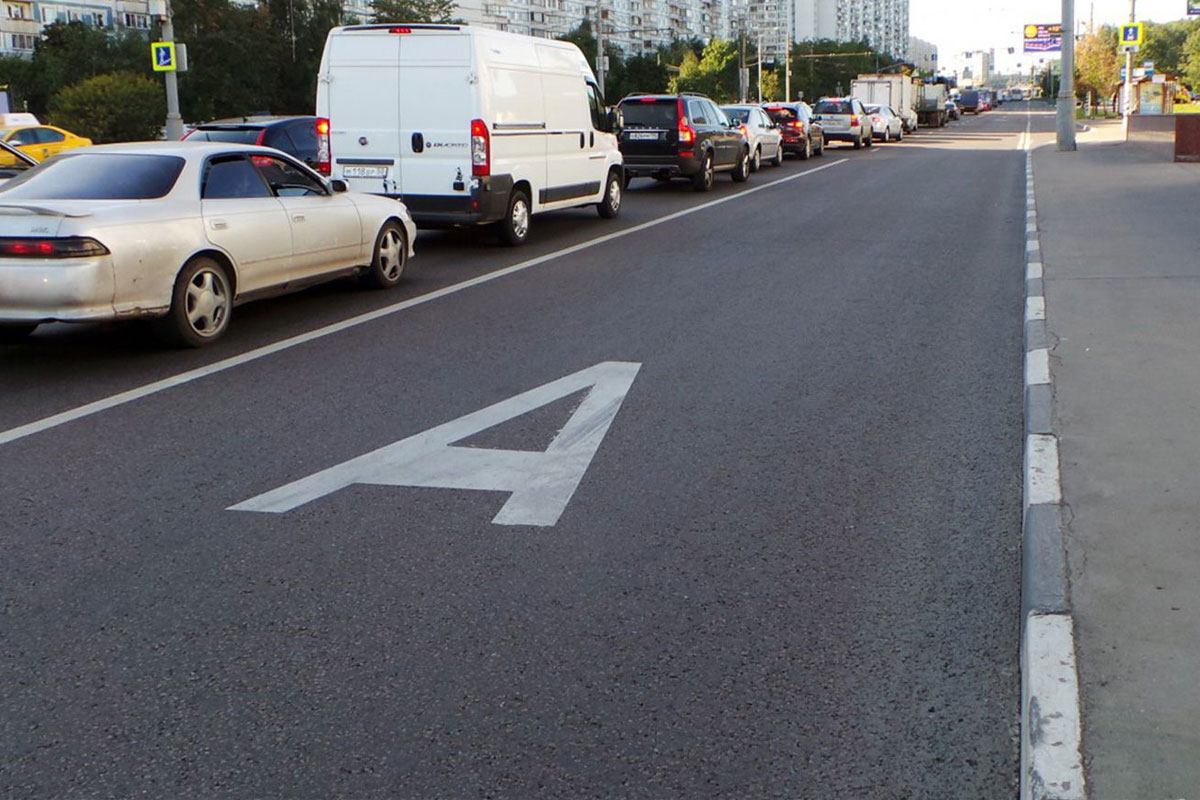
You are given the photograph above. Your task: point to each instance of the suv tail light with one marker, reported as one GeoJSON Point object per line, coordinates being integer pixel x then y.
{"type": "Point", "coordinates": [481, 149]}
{"type": "Point", "coordinates": [687, 134]}
{"type": "Point", "coordinates": [67, 247]}
{"type": "Point", "coordinates": [853, 120]}
{"type": "Point", "coordinates": [324, 155]}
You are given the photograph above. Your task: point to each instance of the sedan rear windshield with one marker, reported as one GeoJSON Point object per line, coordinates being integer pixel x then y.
{"type": "Point", "coordinates": [230, 135]}
{"type": "Point", "coordinates": [780, 113]}
{"type": "Point", "coordinates": [650, 114]}
{"type": "Point", "coordinates": [97, 176]}
{"type": "Point", "coordinates": [834, 107]}
{"type": "Point", "coordinates": [738, 115]}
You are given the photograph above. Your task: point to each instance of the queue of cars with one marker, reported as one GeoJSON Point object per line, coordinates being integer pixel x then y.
{"type": "Point", "coordinates": [489, 129]}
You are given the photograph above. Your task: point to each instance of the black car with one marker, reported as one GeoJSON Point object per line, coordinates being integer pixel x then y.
{"type": "Point", "coordinates": [685, 135]}
{"type": "Point", "coordinates": [296, 136]}
{"type": "Point", "coordinates": [802, 134]}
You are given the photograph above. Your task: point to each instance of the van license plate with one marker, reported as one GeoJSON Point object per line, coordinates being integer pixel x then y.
{"type": "Point", "coordinates": [641, 137]}
{"type": "Point", "coordinates": [365, 172]}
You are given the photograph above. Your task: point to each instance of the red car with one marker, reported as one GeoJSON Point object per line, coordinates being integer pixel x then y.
{"type": "Point", "coordinates": [802, 135]}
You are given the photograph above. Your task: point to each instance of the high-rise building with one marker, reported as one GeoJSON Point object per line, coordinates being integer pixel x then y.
{"type": "Point", "coordinates": [881, 23]}
{"type": "Point", "coordinates": [923, 55]}
{"type": "Point", "coordinates": [23, 20]}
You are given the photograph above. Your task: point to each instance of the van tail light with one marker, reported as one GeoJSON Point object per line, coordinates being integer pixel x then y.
{"type": "Point", "coordinates": [481, 149]}
{"type": "Point", "coordinates": [67, 247]}
{"type": "Point", "coordinates": [324, 154]}
{"type": "Point", "coordinates": [687, 135]}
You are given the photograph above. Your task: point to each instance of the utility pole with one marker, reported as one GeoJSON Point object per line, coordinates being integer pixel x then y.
{"type": "Point", "coordinates": [600, 65]}
{"type": "Point", "coordinates": [787, 55]}
{"type": "Point", "coordinates": [174, 119]}
{"type": "Point", "coordinates": [1066, 81]}
{"type": "Point", "coordinates": [760, 60]}
{"type": "Point", "coordinates": [1128, 88]}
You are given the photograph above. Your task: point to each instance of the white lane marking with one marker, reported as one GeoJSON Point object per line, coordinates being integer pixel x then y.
{"type": "Point", "coordinates": [112, 401]}
{"type": "Point", "coordinates": [1037, 367]}
{"type": "Point", "coordinates": [1035, 308]}
{"type": "Point", "coordinates": [1051, 761]}
{"type": "Point", "coordinates": [1033, 271]}
{"type": "Point", "coordinates": [1042, 482]}
{"type": "Point", "coordinates": [541, 484]}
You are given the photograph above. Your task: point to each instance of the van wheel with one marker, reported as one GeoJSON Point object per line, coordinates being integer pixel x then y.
{"type": "Point", "coordinates": [391, 254]}
{"type": "Point", "coordinates": [742, 170]}
{"type": "Point", "coordinates": [513, 230]}
{"type": "Point", "coordinates": [200, 305]}
{"type": "Point", "coordinates": [14, 334]}
{"type": "Point", "coordinates": [702, 181]}
{"type": "Point", "coordinates": [610, 206]}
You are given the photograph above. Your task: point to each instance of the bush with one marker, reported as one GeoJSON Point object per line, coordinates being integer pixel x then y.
{"type": "Point", "coordinates": [117, 107]}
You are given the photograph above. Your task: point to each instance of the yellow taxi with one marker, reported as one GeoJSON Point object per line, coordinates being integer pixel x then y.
{"type": "Point", "coordinates": [40, 141]}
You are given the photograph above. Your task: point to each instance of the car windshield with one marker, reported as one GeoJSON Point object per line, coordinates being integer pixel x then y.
{"type": "Point", "coordinates": [738, 115]}
{"type": "Point", "coordinates": [658, 113]}
{"type": "Point", "coordinates": [780, 113]}
{"type": "Point", "coordinates": [97, 176]}
{"type": "Point", "coordinates": [231, 135]}
{"type": "Point", "coordinates": [834, 107]}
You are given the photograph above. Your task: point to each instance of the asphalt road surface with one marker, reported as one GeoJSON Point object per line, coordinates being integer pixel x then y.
{"type": "Point", "coordinates": [774, 553]}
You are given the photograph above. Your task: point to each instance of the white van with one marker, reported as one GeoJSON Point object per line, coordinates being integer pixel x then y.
{"type": "Point", "coordinates": [468, 126]}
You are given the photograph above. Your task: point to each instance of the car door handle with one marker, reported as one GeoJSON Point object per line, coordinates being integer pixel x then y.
{"type": "Point", "coordinates": [218, 224]}
{"type": "Point", "coordinates": [297, 218]}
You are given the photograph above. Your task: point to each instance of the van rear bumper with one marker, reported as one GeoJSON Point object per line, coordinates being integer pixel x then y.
{"type": "Point", "coordinates": [479, 206]}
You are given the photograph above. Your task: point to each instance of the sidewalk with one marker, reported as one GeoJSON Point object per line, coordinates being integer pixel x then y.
{"type": "Point", "coordinates": [1120, 236]}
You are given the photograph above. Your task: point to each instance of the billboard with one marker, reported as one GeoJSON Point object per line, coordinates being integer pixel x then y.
{"type": "Point", "coordinates": [1048, 38]}
{"type": "Point", "coordinates": [1194, 7]}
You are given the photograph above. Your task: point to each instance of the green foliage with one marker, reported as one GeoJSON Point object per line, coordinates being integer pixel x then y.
{"type": "Point", "coordinates": [116, 107]}
{"type": "Point", "coordinates": [413, 10]}
{"type": "Point", "coordinates": [714, 74]}
{"type": "Point", "coordinates": [1190, 66]}
{"type": "Point", "coordinates": [1097, 64]}
{"type": "Point", "coordinates": [70, 52]}
{"type": "Point", "coordinates": [824, 67]}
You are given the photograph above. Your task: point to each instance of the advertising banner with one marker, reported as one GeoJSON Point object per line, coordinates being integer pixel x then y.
{"type": "Point", "coordinates": [1193, 7]}
{"type": "Point", "coordinates": [1048, 38]}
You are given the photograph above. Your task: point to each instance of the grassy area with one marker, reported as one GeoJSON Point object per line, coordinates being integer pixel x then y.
{"type": "Point", "coordinates": [1187, 108]}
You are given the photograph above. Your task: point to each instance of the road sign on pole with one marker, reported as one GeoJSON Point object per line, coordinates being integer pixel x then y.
{"type": "Point", "coordinates": [1133, 34]}
{"type": "Point", "coordinates": [162, 57]}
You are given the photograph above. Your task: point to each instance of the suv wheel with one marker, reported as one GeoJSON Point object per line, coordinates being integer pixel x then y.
{"type": "Point", "coordinates": [869, 141]}
{"type": "Point", "coordinates": [741, 170]}
{"type": "Point", "coordinates": [610, 206]}
{"type": "Point", "coordinates": [858, 143]}
{"type": "Point", "coordinates": [702, 181]}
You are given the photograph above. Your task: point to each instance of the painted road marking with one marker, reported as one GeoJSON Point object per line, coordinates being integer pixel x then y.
{"type": "Point", "coordinates": [541, 484]}
{"type": "Point", "coordinates": [1035, 308]}
{"type": "Point", "coordinates": [1042, 483]}
{"type": "Point", "coordinates": [112, 401]}
{"type": "Point", "coordinates": [1050, 720]}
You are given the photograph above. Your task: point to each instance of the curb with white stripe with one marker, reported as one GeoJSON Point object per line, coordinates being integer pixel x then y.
{"type": "Point", "coordinates": [1051, 731]}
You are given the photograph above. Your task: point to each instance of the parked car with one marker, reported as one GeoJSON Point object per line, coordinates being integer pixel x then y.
{"type": "Point", "coordinates": [20, 162]}
{"type": "Point", "coordinates": [802, 134]}
{"type": "Point", "coordinates": [845, 119]}
{"type": "Point", "coordinates": [40, 142]}
{"type": "Point", "coordinates": [479, 127]}
{"type": "Point", "coordinates": [296, 136]}
{"type": "Point", "coordinates": [762, 134]}
{"type": "Point", "coordinates": [182, 232]}
{"type": "Point", "coordinates": [952, 110]}
{"type": "Point", "coordinates": [681, 136]}
{"type": "Point", "coordinates": [886, 124]}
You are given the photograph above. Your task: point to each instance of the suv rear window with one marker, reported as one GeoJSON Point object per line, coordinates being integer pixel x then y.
{"type": "Point", "coordinates": [650, 114]}
{"type": "Point", "coordinates": [97, 176]}
{"type": "Point", "coordinates": [228, 135]}
{"type": "Point", "coordinates": [834, 107]}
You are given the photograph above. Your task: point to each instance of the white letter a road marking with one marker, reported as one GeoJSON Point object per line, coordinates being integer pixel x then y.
{"type": "Point", "coordinates": [541, 484]}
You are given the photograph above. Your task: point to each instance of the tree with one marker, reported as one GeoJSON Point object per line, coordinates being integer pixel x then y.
{"type": "Point", "coordinates": [69, 52]}
{"type": "Point", "coordinates": [1190, 68]}
{"type": "Point", "coordinates": [441, 11]}
{"type": "Point", "coordinates": [116, 107]}
{"type": "Point", "coordinates": [713, 74]}
{"type": "Point", "coordinates": [1097, 64]}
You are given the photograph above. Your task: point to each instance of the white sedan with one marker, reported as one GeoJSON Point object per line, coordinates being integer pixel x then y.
{"type": "Point", "coordinates": [183, 232]}
{"type": "Point", "coordinates": [885, 124]}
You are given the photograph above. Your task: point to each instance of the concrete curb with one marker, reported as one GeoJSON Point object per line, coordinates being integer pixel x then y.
{"type": "Point", "coordinates": [1051, 733]}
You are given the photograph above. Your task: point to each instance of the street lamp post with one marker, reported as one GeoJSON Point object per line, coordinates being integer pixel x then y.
{"type": "Point", "coordinates": [174, 127]}
{"type": "Point", "coordinates": [1066, 81]}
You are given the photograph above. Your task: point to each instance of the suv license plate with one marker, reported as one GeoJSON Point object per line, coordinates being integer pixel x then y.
{"type": "Point", "coordinates": [642, 137]}
{"type": "Point", "coordinates": [365, 172]}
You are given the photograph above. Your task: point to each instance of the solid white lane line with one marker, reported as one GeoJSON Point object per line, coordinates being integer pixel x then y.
{"type": "Point", "coordinates": [1042, 482]}
{"type": "Point", "coordinates": [112, 401]}
{"type": "Point", "coordinates": [1037, 367]}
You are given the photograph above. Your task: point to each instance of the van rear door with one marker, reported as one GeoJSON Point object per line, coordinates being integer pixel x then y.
{"type": "Point", "coordinates": [437, 105]}
{"type": "Point", "coordinates": [362, 71]}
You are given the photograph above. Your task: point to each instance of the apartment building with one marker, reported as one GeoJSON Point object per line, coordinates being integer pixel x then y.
{"type": "Point", "coordinates": [923, 55]}
{"type": "Point", "coordinates": [23, 20]}
{"type": "Point", "coordinates": [882, 23]}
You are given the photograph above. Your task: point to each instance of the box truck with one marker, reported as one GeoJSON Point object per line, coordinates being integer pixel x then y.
{"type": "Point", "coordinates": [888, 90]}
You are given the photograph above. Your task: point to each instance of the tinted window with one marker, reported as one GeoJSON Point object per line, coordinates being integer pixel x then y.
{"type": "Point", "coordinates": [650, 114]}
{"type": "Point", "coordinates": [278, 138]}
{"type": "Point", "coordinates": [97, 176]}
{"type": "Point", "coordinates": [230, 178]}
{"type": "Point", "coordinates": [231, 135]}
{"type": "Point", "coordinates": [48, 136]}
{"type": "Point", "coordinates": [285, 179]}
{"type": "Point", "coordinates": [304, 134]}
{"type": "Point", "coordinates": [698, 113]}
{"type": "Point", "coordinates": [834, 107]}
{"type": "Point", "coordinates": [738, 115]}
{"type": "Point", "coordinates": [781, 113]}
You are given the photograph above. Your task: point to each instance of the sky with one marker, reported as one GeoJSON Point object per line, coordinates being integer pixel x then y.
{"type": "Point", "coordinates": [957, 26]}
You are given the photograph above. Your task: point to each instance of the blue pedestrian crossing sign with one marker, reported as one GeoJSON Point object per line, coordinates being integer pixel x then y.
{"type": "Point", "coordinates": [1133, 34]}
{"type": "Point", "coordinates": [162, 57]}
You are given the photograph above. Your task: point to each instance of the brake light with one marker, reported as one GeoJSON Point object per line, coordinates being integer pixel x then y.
{"type": "Point", "coordinates": [853, 120]}
{"type": "Point", "coordinates": [70, 247]}
{"type": "Point", "coordinates": [798, 125]}
{"type": "Point", "coordinates": [324, 153]}
{"type": "Point", "coordinates": [399, 30]}
{"type": "Point", "coordinates": [481, 149]}
{"type": "Point", "coordinates": [646, 99]}
{"type": "Point", "coordinates": [687, 134]}
{"type": "Point", "coordinates": [745, 132]}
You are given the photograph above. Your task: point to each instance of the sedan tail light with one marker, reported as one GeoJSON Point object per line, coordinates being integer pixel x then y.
{"type": "Point", "coordinates": [68, 247]}
{"type": "Point", "coordinates": [324, 153]}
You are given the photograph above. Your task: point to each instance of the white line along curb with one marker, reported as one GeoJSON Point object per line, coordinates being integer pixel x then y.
{"type": "Point", "coordinates": [1042, 483]}
{"type": "Point", "coordinates": [1050, 710]}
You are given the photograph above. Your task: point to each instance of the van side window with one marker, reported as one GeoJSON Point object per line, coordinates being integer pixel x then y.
{"type": "Point", "coordinates": [596, 105]}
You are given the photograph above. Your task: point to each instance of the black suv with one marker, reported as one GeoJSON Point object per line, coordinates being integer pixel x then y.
{"type": "Point", "coordinates": [685, 135]}
{"type": "Point", "coordinates": [296, 136]}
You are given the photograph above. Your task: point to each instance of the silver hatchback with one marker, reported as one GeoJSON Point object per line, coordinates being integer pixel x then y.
{"type": "Point", "coordinates": [844, 119]}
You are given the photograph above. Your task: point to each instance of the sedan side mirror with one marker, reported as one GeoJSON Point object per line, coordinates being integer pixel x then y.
{"type": "Point", "coordinates": [338, 186]}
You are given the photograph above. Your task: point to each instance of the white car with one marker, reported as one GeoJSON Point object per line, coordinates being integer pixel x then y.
{"type": "Point", "coordinates": [761, 132]}
{"type": "Point", "coordinates": [183, 232]}
{"type": "Point", "coordinates": [885, 124]}
{"type": "Point", "coordinates": [844, 119]}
